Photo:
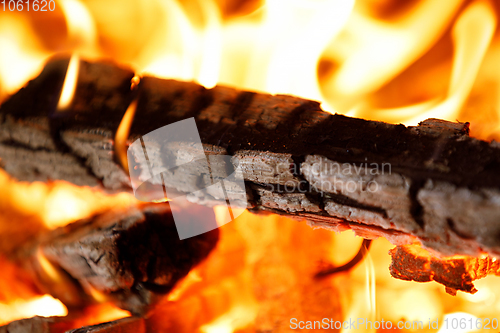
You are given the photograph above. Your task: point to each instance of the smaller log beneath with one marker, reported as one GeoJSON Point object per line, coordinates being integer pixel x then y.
{"type": "Point", "coordinates": [125, 325]}
{"type": "Point", "coordinates": [413, 263]}
{"type": "Point", "coordinates": [131, 257]}
{"type": "Point", "coordinates": [68, 324]}
{"type": "Point", "coordinates": [39, 325]}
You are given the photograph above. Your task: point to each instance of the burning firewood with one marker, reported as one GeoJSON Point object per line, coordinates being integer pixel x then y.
{"type": "Point", "coordinates": [411, 262]}
{"type": "Point", "coordinates": [431, 183]}
{"type": "Point", "coordinates": [126, 325]}
{"type": "Point", "coordinates": [131, 257]}
{"type": "Point", "coordinates": [64, 324]}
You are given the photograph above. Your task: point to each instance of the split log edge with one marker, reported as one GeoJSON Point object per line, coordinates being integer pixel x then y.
{"type": "Point", "coordinates": [131, 257]}
{"type": "Point", "coordinates": [433, 182]}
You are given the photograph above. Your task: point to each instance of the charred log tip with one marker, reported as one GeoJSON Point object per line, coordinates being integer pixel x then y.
{"type": "Point", "coordinates": [363, 250]}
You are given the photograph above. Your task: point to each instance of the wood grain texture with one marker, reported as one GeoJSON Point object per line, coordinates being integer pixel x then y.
{"type": "Point", "coordinates": [132, 257]}
{"type": "Point", "coordinates": [430, 183]}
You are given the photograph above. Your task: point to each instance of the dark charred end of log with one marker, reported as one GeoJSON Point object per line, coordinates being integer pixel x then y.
{"type": "Point", "coordinates": [132, 257]}
{"type": "Point", "coordinates": [156, 256]}
{"type": "Point", "coordinates": [102, 95]}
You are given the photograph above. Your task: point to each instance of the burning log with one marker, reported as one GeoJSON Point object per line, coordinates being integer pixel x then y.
{"type": "Point", "coordinates": [131, 257]}
{"type": "Point", "coordinates": [64, 324]}
{"type": "Point", "coordinates": [412, 263]}
{"type": "Point", "coordinates": [430, 183]}
{"type": "Point", "coordinates": [126, 325]}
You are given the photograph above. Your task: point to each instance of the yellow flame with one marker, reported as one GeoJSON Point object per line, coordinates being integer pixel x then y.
{"type": "Point", "coordinates": [122, 133]}
{"type": "Point", "coordinates": [96, 295]}
{"type": "Point", "coordinates": [236, 318]}
{"type": "Point", "coordinates": [66, 203]}
{"type": "Point", "coordinates": [55, 204]}
{"type": "Point", "coordinates": [49, 269]}
{"type": "Point", "coordinates": [44, 306]}
{"type": "Point", "coordinates": [172, 51]}
{"type": "Point", "coordinates": [21, 56]}
{"type": "Point", "coordinates": [472, 34]}
{"type": "Point", "coordinates": [82, 32]}
{"type": "Point", "coordinates": [371, 51]}
{"type": "Point", "coordinates": [70, 82]}
{"type": "Point", "coordinates": [211, 45]}
{"type": "Point", "coordinates": [192, 278]}
{"type": "Point", "coordinates": [101, 313]}
{"type": "Point", "coordinates": [364, 302]}
{"type": "Point", "coordinates": [370, 287]}
{"type": "Point", "coordinates": [292, 45]}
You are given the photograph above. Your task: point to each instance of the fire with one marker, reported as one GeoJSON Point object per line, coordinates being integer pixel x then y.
{"type": "Point", "coordinates": [69, 86]}
{"type": "Point", "coordinates": [122, 135]}
{"type": "Point", "coordinates": [384, 60]}
{"type": "Point", "coordinates": [19, 298]}
{"type": "Point", "coordinates": [21, 56]}
{"type": "Point", "coordinates": [44, 306]}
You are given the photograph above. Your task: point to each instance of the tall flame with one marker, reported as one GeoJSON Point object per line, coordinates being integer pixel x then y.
{"type": "Point", "coordinates": [69, 85]}
{"type": "Point", "coordinates": [472, 34]}
{"type": "Point", "coordinates": [82, 32]}
{"type": "Point", "coordinates": [122, 135]}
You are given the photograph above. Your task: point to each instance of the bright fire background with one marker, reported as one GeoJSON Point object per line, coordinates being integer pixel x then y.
{"type": "Point", "coordinates": [389, 60]}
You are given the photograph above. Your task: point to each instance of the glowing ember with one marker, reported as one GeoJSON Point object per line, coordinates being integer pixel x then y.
{"type": "Point", "coordinates": [44, 306]}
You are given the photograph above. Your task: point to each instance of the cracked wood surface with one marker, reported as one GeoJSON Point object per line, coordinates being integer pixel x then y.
{"type": "Point", "coordinates": [132, 257]}
{"type": "Point", "coordinates": [432, 182]}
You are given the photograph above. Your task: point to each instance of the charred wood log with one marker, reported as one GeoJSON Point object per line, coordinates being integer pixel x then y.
{"type": "Point", "coordinates": [131, 257]}
{"type": "Point", "coordinates": [430, 183]}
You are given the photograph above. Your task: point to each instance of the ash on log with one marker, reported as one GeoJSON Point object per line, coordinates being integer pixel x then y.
{"type": "Point", "coordinates": [431, 183]}
{"type": "Point", "coordinates": [131, 257]}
